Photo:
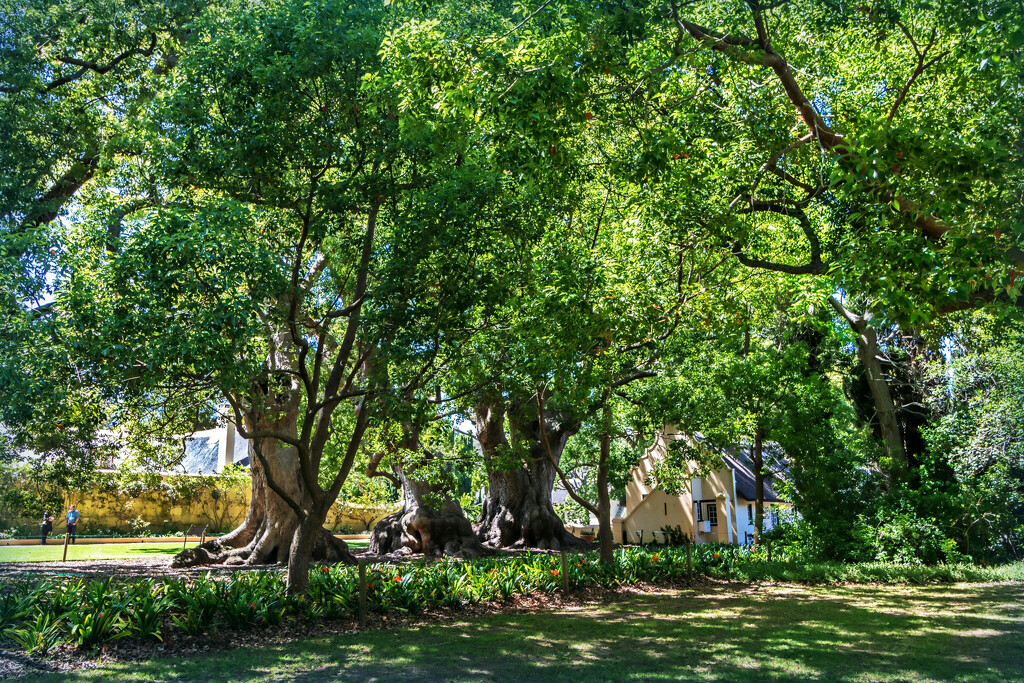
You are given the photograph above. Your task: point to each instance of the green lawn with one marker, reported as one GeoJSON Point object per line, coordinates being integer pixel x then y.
{"type": "Point", "coordinates": [730, 633]}
{"type": "Point", "coordinates": [52, 552]}
{"type": "Point", "coordinates": [107, 551]}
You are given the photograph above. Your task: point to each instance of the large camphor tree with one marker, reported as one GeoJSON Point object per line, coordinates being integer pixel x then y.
{"type": "Point", "coordinates": [287, 238]}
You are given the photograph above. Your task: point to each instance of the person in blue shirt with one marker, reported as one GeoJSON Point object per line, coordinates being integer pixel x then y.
{"type": "Point", "coordinates": [72, 519]}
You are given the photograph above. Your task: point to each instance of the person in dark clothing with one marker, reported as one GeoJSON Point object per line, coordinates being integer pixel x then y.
{"type": "Point", "coordinates": [72, 520]}
{"type": "Point", "coordinates": [46, 526]}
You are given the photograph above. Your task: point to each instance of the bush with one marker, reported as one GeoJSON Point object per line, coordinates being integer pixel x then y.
{"type": "Point", "coordinates": [903, 537]}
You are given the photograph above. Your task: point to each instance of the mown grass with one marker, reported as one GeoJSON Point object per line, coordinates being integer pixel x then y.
{"type": "Point", "coordinates": [52, 552]}
{"type": "Point", "coordinates": [861, 633]}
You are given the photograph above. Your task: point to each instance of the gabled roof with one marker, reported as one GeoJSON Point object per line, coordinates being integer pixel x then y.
{"type": "Point", "coordinates": [743, 471]}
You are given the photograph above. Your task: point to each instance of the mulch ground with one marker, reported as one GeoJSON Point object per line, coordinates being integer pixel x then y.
{"type": "Point", "coordinates": [160, 567]}
{"type": "Point", "coordinates": [130, 568]}
{"type": "Point", "coordinates": [175, 645]}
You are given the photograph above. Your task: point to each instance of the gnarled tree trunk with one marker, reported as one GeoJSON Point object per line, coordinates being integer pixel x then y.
{"type": "Point", "coordinates": [430, 521]}
{"type": "Point", "coordinates": [517, 511]}
{"type": "Point", "coordinates": [266, 534]}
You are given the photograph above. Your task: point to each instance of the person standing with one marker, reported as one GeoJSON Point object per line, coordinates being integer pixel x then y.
{"type": "Point", "coordinates": [72, 520]}
{"type": "Point", "coordinates": [46, 526]}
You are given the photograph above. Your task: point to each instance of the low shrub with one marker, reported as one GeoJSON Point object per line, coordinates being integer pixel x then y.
{"type": "Point", "coordinates": [195, 605]}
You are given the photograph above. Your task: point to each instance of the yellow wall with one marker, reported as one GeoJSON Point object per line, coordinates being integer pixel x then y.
{"type": "Point", "coordinates": [221, 509]}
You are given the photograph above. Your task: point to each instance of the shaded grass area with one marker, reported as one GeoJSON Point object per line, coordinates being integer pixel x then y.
{"type": "Point", "coordinates": [871, 572]}
{"type": "Point", "coordinates": [850, 633]}
{"type": "Point", "coordinates": [106, 551]}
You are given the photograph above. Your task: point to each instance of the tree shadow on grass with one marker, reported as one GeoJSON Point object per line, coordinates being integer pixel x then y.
{"type": "Point", "coordinates": [759, 633]}
{"type": "Point", "coordinates": [156, 551]}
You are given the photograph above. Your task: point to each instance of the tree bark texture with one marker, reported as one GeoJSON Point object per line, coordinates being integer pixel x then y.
{"type": "Point", "coordinates": [758, 462]}
{"type": "Point", "coordinates": [604, 503]}
{"type": "Point", "coordinates": [266, 534]}
{"type": "Point", "coordinates": [517, 511]}
{"type": "Point", "coordinates": [881, 396]}
{"type": "Point", "coordinates": [430, 521]}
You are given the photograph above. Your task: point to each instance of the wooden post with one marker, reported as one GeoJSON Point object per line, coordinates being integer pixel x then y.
{"type": "Point", "coordinates": [203, 539]}
{"type": "Point", "coordinates": [67, 536]}
{"type": "Point", "coordinates": [362, 593]}
{"type": "Point", "coordinates": [565, 572]}
{"type": "Point", "coordinates": [689, 561]}
{"type": "Point", "coordinates": [185, 542]}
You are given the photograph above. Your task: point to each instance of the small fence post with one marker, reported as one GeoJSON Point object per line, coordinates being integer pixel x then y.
{"type": "Point", "coordinates": [362, 593]}
{"type": "Point", "coordinates": [689, 561]}
{"type": "Point", "coordinates": [67, 536]}
{"type": "Point", "coordinates": [565, 572]}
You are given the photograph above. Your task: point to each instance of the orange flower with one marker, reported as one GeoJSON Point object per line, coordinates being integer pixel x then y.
{"type": "Point", "coordinates": [655, 557]}
{"type": "Point", "coordinates": [554, 572]}
{"type": "Point", "coordinates": [717, 555]}
{"type": "Point", "coordinates": [398, 578]}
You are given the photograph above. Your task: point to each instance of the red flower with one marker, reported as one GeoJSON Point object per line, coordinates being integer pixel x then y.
{"type": "Point", "coordinates": [655, 558]}
{"type": "Point", "coordinates": [253, 605]}
{"type": "Point", "coordinates": [494, 571]}
{"type": "Point", "coordinates": [100, 615]}
{"type": "Point", "coordinates": [324, 569]}
{"type": "Point", "coordinates": [717, 555]}
{"type": "Point", "coordinates": [554, 572]}
{"type": "Point", "coordinates": [398, 578]}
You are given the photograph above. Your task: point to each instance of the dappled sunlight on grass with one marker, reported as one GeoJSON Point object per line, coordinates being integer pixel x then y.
{"type": "Point", "coordinates": [727, 633]}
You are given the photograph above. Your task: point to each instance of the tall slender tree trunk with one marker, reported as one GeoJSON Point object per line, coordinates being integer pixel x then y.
{"type": "Point", "coordinates": [604, 503]}
{"type": "Point", "coordinates": [881, 396]}
{"type": "Point", "coordinates": [758, 462]}
{"type": "Point", "coordinates": [885, 408]}
{"type": "Point", "coordinates": [300, 554]}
